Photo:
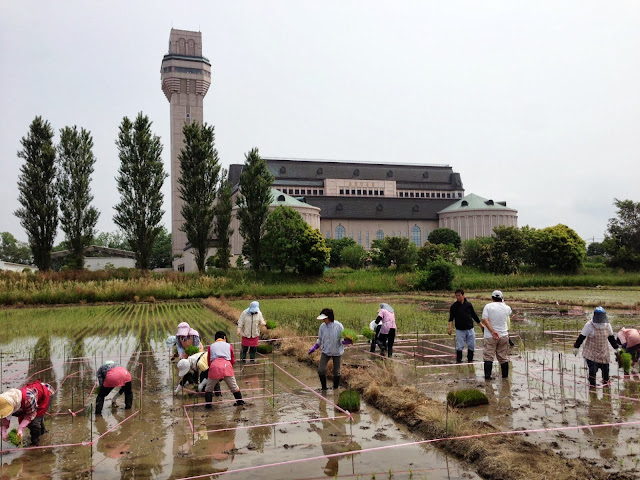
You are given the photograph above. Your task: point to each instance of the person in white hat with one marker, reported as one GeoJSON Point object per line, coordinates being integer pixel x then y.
{"type": "Point", "coordinates": [495, 318]}
{"type": "Point", "coordinates": [249, 324]}
{"type": "Point", "coordinates": [194, 370]}
{"type": "Point", "coordinates": [329, 340]}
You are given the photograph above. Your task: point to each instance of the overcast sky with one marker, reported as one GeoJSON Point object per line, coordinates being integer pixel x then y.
{"type": "Point", "coordinates": [534, 103]}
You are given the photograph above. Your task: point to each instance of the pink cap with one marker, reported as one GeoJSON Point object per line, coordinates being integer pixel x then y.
{"type": "Point", "coordinates": [193, 332]}
{"type": "Point", "coordinates": [183, 329]}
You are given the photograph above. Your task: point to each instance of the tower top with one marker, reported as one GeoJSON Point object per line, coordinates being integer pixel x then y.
{"type": "Point", "coordinates": [184, 69]}
{"type": "Point", "coordinates": [185, 42]}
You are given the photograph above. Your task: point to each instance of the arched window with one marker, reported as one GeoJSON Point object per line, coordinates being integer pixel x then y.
{"type": "Point", "coordinates": [340, 232]}
{"type": "Point", "coordinates": [416, 235]}
{"type": "Point", "coordinates": [379, 235]}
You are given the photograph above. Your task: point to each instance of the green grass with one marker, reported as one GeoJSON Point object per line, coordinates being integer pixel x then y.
{"type": "Point", "coordinates": [349, 400]}
{"type": "Point", "coordinates": [466, 398]}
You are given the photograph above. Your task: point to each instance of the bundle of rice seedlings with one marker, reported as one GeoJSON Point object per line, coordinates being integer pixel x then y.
{"type": "Point", "coordinates": [466, 398]}
{"type": "Point", "coordinates": [190, 350]}
{"type": "Point", "coordinates": [271, 325]}
{"type": "Point", "coordinates": [265, 348]}
{"type": "Point", "coordinates": [349, 400]}
{"type": "Point", "coordinates": [13, 438]}
{"type": "Point", "coordinates": [349, 335]}
{"type": "Point", "coordinates": [625, 360]}
{"type": "Point", "coordinates": [367, 333]}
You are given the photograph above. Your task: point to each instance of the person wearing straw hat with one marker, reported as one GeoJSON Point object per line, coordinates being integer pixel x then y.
{"type": "Point", "coordinates": [29, 404]}
{"type": "Point", "coordinates": [495, 318]}
{"type": "Point", "coordinates": [249, 324]}
{"type": "Point", "coordinates": [329, 338]}
{"type": "Point", "coordinates": [387, 318]}
{"type": "Point", "coordinates": [110, 375]}
{"type": "Point", "coordinates": [597, 332]}
{"type": "Point", "coordinates": [185, 337]}
{"type": "Point", "coordinates": [221, 361]}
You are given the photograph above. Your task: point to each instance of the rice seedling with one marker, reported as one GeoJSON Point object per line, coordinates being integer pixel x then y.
{"type": "Point", "coordinates": [467, 398]}
{"type": "Point", "coordinates": [13, 438]}
{"type": "Point", "coordinates": [271, 325]}
{"type": "Point", "coordinates": [367, 333]}
{"type": "Point", "coordinates": [265, 348]}
{"type": "Point", "coordinates": [349, 400]}
{"type": "Point", "coordinates": [349, 335]}
{"type": "Point", "coordinates": [191, 350]}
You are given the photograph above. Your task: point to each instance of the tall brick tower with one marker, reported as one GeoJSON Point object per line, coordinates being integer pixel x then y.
{"type": "Point", "coordinates": [186, 76]}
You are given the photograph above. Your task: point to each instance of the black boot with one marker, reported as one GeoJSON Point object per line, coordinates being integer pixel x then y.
{"type": "Point", "coordinates": [323, 381]}
{"type": "Point", "coordinates": [469, 356]}
{"type": "Point", "coordinates": [336, 382]}
{"type": "Point", "coordinates": [238, 396]}
{"type": "Point", "coordinates": [216, 390]}
{"type": "Point", "coordinates": [488, 366]}
{"type": "Point", "coordinates": [208, 397]}
{"type": "Point", "coordinates": [505, 369]}
{"type": "Point", "coordinates": [243, 354]}
{"type": "Point", "coordinates": [458, 356]}
{"type": "Point", "coordinates": [128, 400]}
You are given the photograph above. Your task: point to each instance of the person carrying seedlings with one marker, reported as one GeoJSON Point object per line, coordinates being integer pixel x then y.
{"type": "Point", "coordinates": [463, 313]}
{"type": "Point", "coordinates": [629, 339]}
{"type": "Point", "coordinates": [185, 337]}
{"type": "Point", "coordinates": [495, 318]}
{"type": "Point", "coordinates": [249, 325]}
{"type": "Point", "coordinates": [387, 318]}
{"type": "Point", "coordinates": [194, 370]}
{"type": "Point", "coordinates": [332, 348]}
{"type": "Point", "coordinates": [110, 375]}
{"type": "Point", "coordinates": [221, 360]}
{"type": "Point", "coordinates": [597, 332]}
{"type": "Point", "coordinates": [375, 328]}
{"type": "Point", "coordinates": [29, 404]}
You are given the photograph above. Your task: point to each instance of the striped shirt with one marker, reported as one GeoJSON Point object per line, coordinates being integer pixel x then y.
{"type": "Point", "coordinates": [329, 338]}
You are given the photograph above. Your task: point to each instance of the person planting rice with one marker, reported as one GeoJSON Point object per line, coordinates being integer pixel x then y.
{"type": "Point", "coordinates": [495, 318]}
{"type": "Point", "coordinates": [597, 332]}
{"type": "Point", "coordinates": [387, 318]}
{"type": "Point", "coordinates": [110, 375]}
{"type": "Point", "coordinates": [221, 360]}
{"type": "Point", "coordinates": [249, 325]}
{"type": "Point", "coordinates": [375, 328]}
{"type": "Point", "coordinates": [329, 340]}
{"type": "Point", "coordinates": [629, 339]}
{"type": "Point", "coordinates": [194, 370]}
{"type": "Point", "coordinates": [29, 404]}
{"type": "Point", "coordinates": [185, 337]}
{"type": "Point", "coordinates": [463, 313]}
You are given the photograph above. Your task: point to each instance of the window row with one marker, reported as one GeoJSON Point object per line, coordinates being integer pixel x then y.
{"type": "Point", "coordinates": [195, 71]}
{"type": "Point", "coordinates": [302, 191]}
{"type": "Point", "coordinates": [414, 194]}
{"type": "Point", "coordinates": [359, 191]}
{"type": "Point", "coordinates": [416, 235]}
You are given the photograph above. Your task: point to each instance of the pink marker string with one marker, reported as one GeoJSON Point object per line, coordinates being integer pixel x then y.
{"type": "Point", "coordinates": [275, 424]}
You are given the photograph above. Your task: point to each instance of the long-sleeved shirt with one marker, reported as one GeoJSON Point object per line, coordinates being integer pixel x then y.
{"type": "Point", "coordinates": [329, 338]}
{"type": "Point", "coordinates": [463, 314]}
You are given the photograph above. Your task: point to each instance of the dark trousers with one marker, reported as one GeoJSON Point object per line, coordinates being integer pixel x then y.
{"type": "Point", "coordinates": [593, 369]}
{"type": "Point", "coordinates": [194, 378]}
{"type": "Point", "coordinates": [104, 391]}
{"type": "Point", "coordinates": [252, 353]}
{"type": "Point", "coordinates": [36, 429]}
{"type": "Point", "coordinates": [374, 340]}
{"type": "Point", "coordinates": [385, 341]}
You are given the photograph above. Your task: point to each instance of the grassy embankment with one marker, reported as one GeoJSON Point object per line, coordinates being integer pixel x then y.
{"type": "Point", "coordinates": [117, 286]}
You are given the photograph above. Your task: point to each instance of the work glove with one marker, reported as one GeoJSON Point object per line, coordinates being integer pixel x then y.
{"type": "Point", "coordinates": [346, 341]}
{"type": "Point", "coordinates": [314, 348]}
{"type": "Point", "coordinates": [177, 390]}
{"type": "Point", "coordinates": [202, 385]}
{"type": "Point", "coordinates": [575, 351]}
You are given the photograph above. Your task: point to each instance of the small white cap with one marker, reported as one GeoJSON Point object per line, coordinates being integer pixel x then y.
{"type": "Point", "coordinates": [183, 367]}
{"type": "Point", "coordinates": [322, 316]}
{"type": "Point", "coordinates": [497, 293]}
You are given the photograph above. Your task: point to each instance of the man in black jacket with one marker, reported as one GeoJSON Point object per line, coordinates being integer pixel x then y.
{"type": "Point", "coordinates": [463, 313]}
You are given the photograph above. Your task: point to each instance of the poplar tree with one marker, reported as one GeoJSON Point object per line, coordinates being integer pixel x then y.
{"type": "Point", "coordinates": [140, 178]}
{"type": "Point", "coordinates": [36, 184]}
{"type": "Point", "coordinates": [253, 203]}
{"type": "Point", "coordinates": [75, 166]}
{"type": "Point", "coordinates": [222, 224]}
{"type": "Point", "coordinates": [199, 170]}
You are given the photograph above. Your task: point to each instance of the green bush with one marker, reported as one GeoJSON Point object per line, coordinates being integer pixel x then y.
{"type": "Point", "coordinates": [353, 256]}
{"type": "Point", "coordinates": [265, 348]}
{"type": "Point", "coordinates": [271, 324]}
{"type": "Point", "coordinates": [367, 333]}
{"type": "Point", "coordinates": [437, 276]}
{"type": "Point", "coordinates": [191, 350]}
{"type": "Point", "coordinates": [349, 400]}
{"type": "Point", "coordinates": [466, 398]}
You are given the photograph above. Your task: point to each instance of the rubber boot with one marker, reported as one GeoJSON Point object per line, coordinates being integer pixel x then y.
{"type": "Point", "coordinates": [488, 366]}
{"type": "Point", "coordinates": [505, 369]}
{"type": "Point", "coordinates": [216, 390]}
{"type": "Point", "coordinates": [34, 430]}
{"type": "Point", "coordinates": [252, 354]}
{"type": "Point", "coordinates": [208, 397]}
{"type": "Point", "coordinates": [605, 373]}
{"type": "Point", "coordinates": [243, 354]}
{"type": "Point", "coordinates": [323, 381]}
{"type": "Point", "coordinates": [336, 382]}
{"type": "Point", "coordinates": [128, 400]}
{"type": "Point", "coordinates": [238, 396]}
{"type": "Point", "coordinates": [469, 356]}
{"type": "Point", "coordinates": [458, 356]}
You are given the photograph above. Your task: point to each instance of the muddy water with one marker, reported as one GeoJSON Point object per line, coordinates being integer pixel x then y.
{"type": "Point", "coordinates": [285, 430]}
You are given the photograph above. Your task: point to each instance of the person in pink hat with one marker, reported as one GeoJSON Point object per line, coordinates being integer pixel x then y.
{"type": "Point", "coordinates": [185, 337]}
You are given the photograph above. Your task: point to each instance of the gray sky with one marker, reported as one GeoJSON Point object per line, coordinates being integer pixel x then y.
{"type": "Point", "coordinates": [535, 103]}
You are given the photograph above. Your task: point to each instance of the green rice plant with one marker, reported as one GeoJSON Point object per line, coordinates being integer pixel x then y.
{"type": "Point", "coordinates": [467, 398]}
{"type": "Point", "coordinates": [349, 400]}
{"type": "Point", "coordinates": [349, 335]}
{"type": "Point", "coordinates": [367, 333]}
{"type": "Point", "coordinates": [265, 348]}
{"type": "Point", "coordinates": [271, 324]}
{"type": "Point", "coordinates": [191, 350]}
{"type": "Point", "coordinates": [13, 437]}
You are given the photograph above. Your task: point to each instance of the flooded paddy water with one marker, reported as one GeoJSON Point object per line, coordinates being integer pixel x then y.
{"type": "Point", "coordinates": [288, 429]}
